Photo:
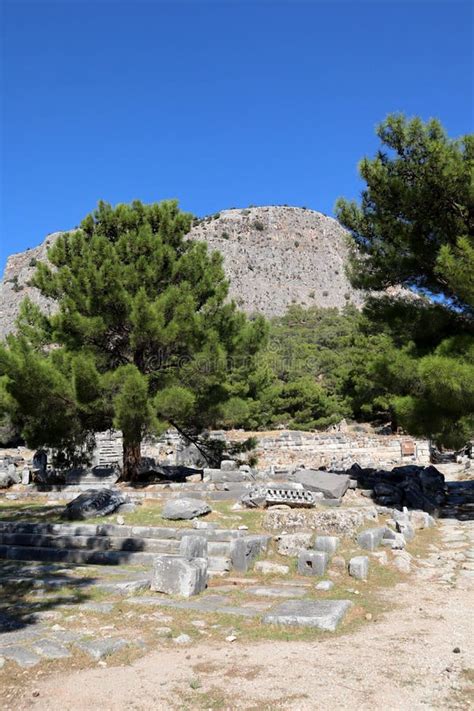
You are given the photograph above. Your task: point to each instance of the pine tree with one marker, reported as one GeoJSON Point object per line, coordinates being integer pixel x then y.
{"type": "Point", "coordinates": [414, 228]}
{"type": "Point", "coordinates": [141, 340]}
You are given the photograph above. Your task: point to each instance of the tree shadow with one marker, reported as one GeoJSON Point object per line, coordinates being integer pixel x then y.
{"type": "Point", "coordinates": [43, 566]}
{"type": "Point", "coordinates": [27, 591]}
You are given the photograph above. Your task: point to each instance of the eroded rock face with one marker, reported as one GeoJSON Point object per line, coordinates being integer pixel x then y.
{"type": "Point", "coordinates": [273, 256]}
{"type": "Point", "coordinates": [91, 503]}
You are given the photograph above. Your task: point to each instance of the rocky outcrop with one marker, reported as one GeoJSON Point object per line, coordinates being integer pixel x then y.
{"type": "Point", "coordinates": [273, 257]}
{"type": "Point", "coordinates": [276, 256]}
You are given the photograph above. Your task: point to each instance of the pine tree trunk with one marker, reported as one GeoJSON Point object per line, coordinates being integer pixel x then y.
{"type": "Point", "coordinates": [131, 460]}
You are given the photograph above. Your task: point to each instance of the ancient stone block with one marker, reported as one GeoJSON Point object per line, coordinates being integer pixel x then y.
{"type": "Point", "coordinates": [243, 551]}
{"type": "Point", "coordinates": [178, 509]}
{"type": "Point", "coordinates": [421, 519]}
{"type": "Point", "coordinates": [100, 648]}
{"type": "Point", "coordinates": [268, 568]}
{"type": "Point", "coordinates": [333, 486]}
{"type": "Point", "coordinates": [406, 529]}
{"type": "Point", "coordinates": [92, 502]}
{"type": "Point", "coordinates": [322, 614]}
{"type": "Point", "coordinates": [329, 544]}
{"type": "Point", "coordinates": [193, 546]}
{"type": "Point", "coordinates": [175, 575]}
{"type": "Point", "coordinates": [324, 585]}
{"type": "Point", "coordinates": [371, 538]}
{"type": "Point", "coordinates": [312, 562]}
{"type": "Point", "coordinates": [22, 656]}
{"type": "Point", "coordinates": [292, 543]}
{"type": "Point", "coordinates": [275, 591]}
{"type": "Point", "coordinates": [50, 649]}
{"type": "Point", "coordinates": [359, 567]}
{"type": "Point", "coordinates": [229, 465]}
{"type": "Point", "coordinates": [337, 522]}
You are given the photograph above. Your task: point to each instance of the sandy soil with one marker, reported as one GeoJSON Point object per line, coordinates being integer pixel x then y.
{"type": "Point", "coordinates": [402, 661]}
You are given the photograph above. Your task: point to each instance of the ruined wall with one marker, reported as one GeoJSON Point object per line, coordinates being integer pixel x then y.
{"type": "Point", "coordinates": [334, 450]}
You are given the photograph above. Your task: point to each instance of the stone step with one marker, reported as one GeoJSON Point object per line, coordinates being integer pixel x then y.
{"type": "Point", "coordinates": [79, 556]}
{"type": "Point", "coordinates": [222, 535]}
{"type": "Point", "coordinates": [104, 543]}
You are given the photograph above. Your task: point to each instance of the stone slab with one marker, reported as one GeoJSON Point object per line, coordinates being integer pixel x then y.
{"type": "Point", "coordinates": [267, 591]}
{"type": "Point", "coordinates": [332, 485]}
{"type": "Point", "coordinates": [320, 614]}
{"type": "Point", "coordinates": [184, 509]}
{"type": "Point", "coordinates": [211, 604]}
{"type": "Point", "coordinates": [100, 648]}
{"type": "Point", "coordinates": [23, 657]}
{"type": "Point", "coordinates": [50, 650]}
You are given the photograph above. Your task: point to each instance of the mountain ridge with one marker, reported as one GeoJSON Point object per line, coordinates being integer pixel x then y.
{"type": "Point", "coordinates": [274, 256]}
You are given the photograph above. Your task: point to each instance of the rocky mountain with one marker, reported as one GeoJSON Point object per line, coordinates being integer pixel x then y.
{"type": "Point", "coordinates": [273, 257]}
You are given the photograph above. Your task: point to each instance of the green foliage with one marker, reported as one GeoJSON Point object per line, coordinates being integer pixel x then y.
{"type": "Point", "coordinates": [414, 227]}
{"type": "Point", "coordinates": [142, 338]}
{"type": "Point", "coordinates": [317, 368]}
{"type": "Point", "coordinates": [418, 200]}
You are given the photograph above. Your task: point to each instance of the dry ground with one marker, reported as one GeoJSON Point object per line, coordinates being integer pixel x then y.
{"type": "Point", "coordinates": [403, 659]}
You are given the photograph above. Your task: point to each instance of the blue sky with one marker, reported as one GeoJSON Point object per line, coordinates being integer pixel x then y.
{"type": "Point", "coordinates": [218, 104]}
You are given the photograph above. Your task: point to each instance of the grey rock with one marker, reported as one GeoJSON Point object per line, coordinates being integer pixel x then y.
{"type": "Point", "coordinates": [406, 529]}
{"type": "Point", "coordinates": [333, 486]}
{"type": "Point", "coordinates": [23, 657]}
{"type": "Point", "coordinates": [184, 509]}
{"type": "Point", "coordinates": [267, 567]}
{"type": "Point", "coordinates": [371, 538]}
{"type": "Point", "coordinates": [127, 508]}
{"type": "Point", "coordinates": [193, 546]}
{"type": "Point", "coordinates": [290, 544]}
{"type": "Point", "coordinates": [229, 465]}
{"type": "Point", "coordinates": [324, 585]}
{"type": "Point", "coordinates": [421, 519]}
{"type": "Point", "coordinates": [100, 648]}
{"type": "Point", "coordinates": [312, 562]}
{"type": "Point", "coordinates": [182, 639]}
{"type": "Point", "coordinates": [204, 525]}
{"type": "Point", "coordinates": [359, 567]}
{"type": "Point", "coordinates": [162, 631]}
{"type": "Point", "coordinates": [175, 575]}
{"type": "Point", "coordinates": [321, 614]}
{"type": "Point", "coordinates": [243, 551]}
{"type": "Point", "coordinates": [92, 502]}
{"type": "Point", "coordinates": [274, 591]}
{"type": "Point", "coordinates": [329, 544]}
{"type": "Point", "coordinates": [50, 649]}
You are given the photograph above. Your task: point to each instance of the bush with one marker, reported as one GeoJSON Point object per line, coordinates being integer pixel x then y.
{"type": "Point", "coordinates": [258, 225]}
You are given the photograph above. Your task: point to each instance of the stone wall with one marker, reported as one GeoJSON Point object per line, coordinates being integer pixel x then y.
{"type": "Point", "coordinates": [281, 448]}
{"type": "Point", "coordinates": [334, 450]}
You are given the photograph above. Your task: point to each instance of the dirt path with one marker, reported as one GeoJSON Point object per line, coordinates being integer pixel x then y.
{"type": "Point", "coordinates": [403, 661]}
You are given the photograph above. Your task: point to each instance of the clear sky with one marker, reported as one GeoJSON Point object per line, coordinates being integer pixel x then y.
{"type": "Point", "coordinates": [219, 104]}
